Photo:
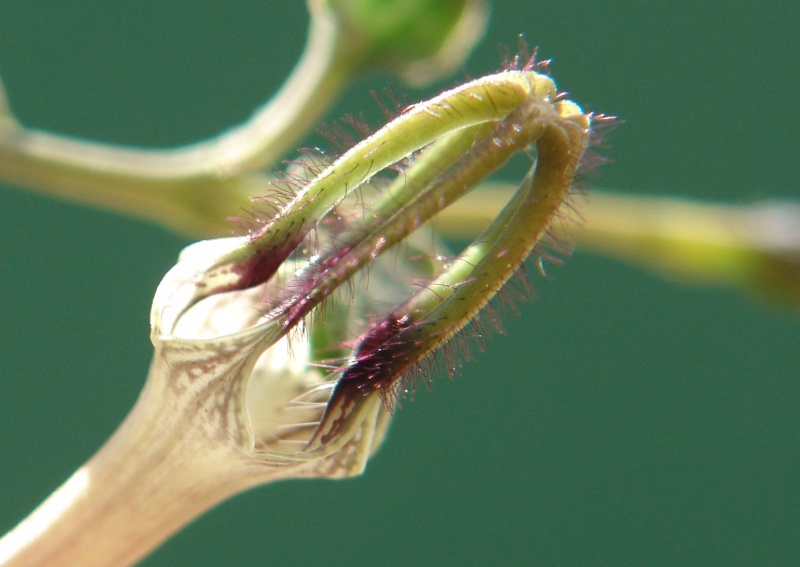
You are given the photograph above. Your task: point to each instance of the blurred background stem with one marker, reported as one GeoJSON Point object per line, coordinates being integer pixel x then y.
{"type": "Point", "coordinates": [194, 188]}
{"type": "Point", "coordinates": [755, 246]}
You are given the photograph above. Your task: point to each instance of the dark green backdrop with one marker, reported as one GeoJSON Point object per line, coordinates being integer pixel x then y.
{"type": "Point", "coordinates": [623, 420]}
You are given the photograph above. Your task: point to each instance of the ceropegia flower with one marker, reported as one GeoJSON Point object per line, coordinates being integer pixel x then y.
{"type": "Point", "coordinates": [279, 354]}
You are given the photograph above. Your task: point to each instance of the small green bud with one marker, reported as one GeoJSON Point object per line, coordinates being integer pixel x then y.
{"type": "Point", "coordinates": [418, 39]}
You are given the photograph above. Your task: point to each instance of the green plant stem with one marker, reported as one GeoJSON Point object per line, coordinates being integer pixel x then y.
{"type": "Point", "coordinates": [192, 188]}
{"type": "Point", "coordinates": [754, 246]}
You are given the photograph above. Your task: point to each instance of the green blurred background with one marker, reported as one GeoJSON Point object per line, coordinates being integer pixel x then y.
{"type": "Point", "coordinates": [622, 420]}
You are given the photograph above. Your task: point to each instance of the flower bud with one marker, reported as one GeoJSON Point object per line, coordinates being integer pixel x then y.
{"type": "Point", "coordinates": [321, 239]}
{"type": "Point", "coordinates": [280, 354]}
{"type": "Point", "coordinates": [420, 40]}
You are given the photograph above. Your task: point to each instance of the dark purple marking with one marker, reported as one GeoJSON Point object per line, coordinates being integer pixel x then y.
{"type": "Point", "coordinates": [264, 263]}
{"type": "Point", "coordinates": [311, 290]}
{"type": "Point", "coordinates": [260, 268]}
{"type": "Point", "coordinates": [381, 359]}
